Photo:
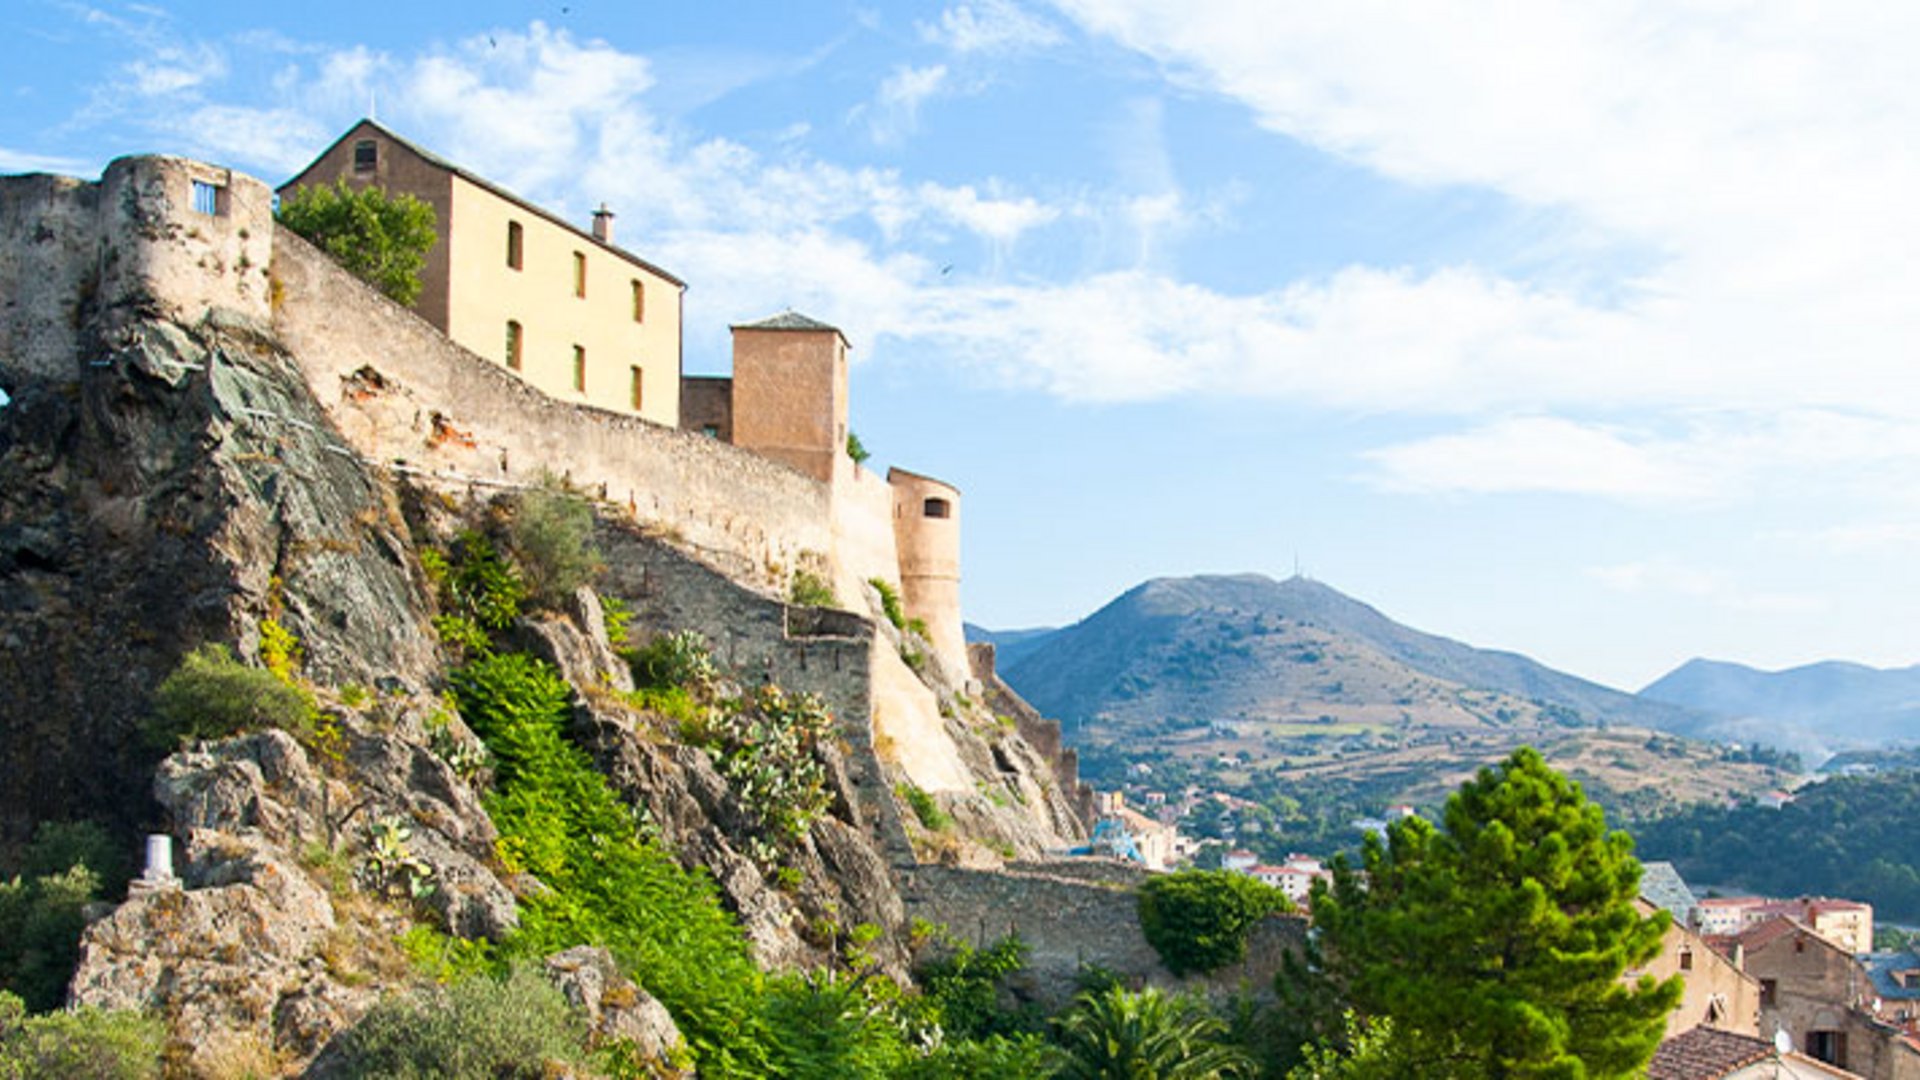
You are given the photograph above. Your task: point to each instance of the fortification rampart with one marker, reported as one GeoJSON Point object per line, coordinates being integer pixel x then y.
{"type": "Point", "coordinates": [155, 235]}
{"type": "Point", "coordinates": [1039, 732]}
{"type": "Point", "coordinates": [1067, 923]}
{"type": "Point", "coordinates": [400, 391]}
{"type": "Point", "coordinates": [824, 651]}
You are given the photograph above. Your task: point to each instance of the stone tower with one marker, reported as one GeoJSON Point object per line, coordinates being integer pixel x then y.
{"type": "Point", "coordinates": [790, 392]}
{"type": "Point", "coordinates": [926, 532]}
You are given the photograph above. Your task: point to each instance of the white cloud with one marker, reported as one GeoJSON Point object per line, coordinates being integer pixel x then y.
{"type": "Point", "coordinates": [12, 161]}
{"type": "Point", "coordinates": [991, 26]}
{"type": "Point", "coordinates": [1665, 576]}
{"type": "Point", "coordinates": [895, 111]}
{"type": "Point", "coordinates": [1539, 454]}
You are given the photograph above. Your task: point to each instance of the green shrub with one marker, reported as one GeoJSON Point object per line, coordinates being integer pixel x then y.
{"type": "Point", "coordinates": [889, 602]}
{"type": "Point", "coordinates": [924, 808]}
{"type": "Point", "coordinates": [1198, 920]}
{"type": "Point", "coordinates": [40, 924]}
{"type": "Point", "coordinates": [965, 984]}
{"type": "Point", "coordinates": [476, 1028]}
{"type": "Point", "coordinates": [482, 586]}
{"type": "Point", "coordinates": [856, 449]}
{"type": "Point", "coordinates": [552, 536]}
{"type": "Point", "coordinates": [59, 846]}
{"type": "Point", "coordinates": [618, 617]}
{"type": "Point", "coordinates": [832, 1027]}
{"type": "Point", "coordinates": [86, 1044]}
{"type": "Point", "coordinates": [559, 821]}
{"type": "Point", "coordinates": [680, 659]}
{"type": "Point", "coordinates": [212, 695]}
{"type": "Point", "coordinates": [768, 752]}
{"type": "Point", "coordinates": [809, 589]}
{"type": "Point", "coordinates": [1148, 1034]}
{"type": "Point", "coordinates": [381, 239]}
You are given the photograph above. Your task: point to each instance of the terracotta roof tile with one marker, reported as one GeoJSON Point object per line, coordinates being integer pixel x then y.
{"type": "Point", "coordinates": [1706, 1054]}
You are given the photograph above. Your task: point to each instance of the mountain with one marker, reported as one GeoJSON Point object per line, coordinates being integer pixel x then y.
{"type": "Point", "coordinates": [1833, 704]}
{"type": "Point", "coordinates": [1227, 646]}
{"type": "Point", "coordinates": [1263, 688]}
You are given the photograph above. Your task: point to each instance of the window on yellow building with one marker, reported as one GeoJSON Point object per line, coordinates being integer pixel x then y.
{"type": "Point", "coordinates": [515, 245]}
{"type": "Point", "coordinates": [937, 508]}
{"type": "Point", "coordinates": [639, 301]}
{"type": "Point", "coordinates": [639, 387]}
{"type": "Point", "coordinates": [513, 344]}
{"type": "Point", "coordinates": [579, 368]}
{"type": "Point", "coordinates": [580, 273]}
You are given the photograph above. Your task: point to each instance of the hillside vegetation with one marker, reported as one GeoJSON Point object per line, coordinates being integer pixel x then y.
{"type": "Point", "coordinates": [1855, 837]}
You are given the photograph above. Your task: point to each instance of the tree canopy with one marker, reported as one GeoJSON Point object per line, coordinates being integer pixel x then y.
{"type": "Point", "coordinates": [380, 238]}
{"type": "Point", "coordinates": [1496, 943]}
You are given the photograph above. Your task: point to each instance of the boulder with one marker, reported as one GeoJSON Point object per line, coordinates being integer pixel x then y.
{"type": "Point", "coordinates": [615, 1007]}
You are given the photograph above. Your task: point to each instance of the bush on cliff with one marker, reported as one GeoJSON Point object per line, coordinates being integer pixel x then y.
{"type": "Point", "coordinates": [87, 1044]}
{"type": "Point", "coordinates": [380, 238]}
{"type": "Point", "coordinates": [1198, 920]}
{"type": "Point", "coordinates": [212, 695]}
{"type": "Point", "coordinates": [608, 885]}
{"type": "Point", "coordinates": [476, 1028]}
{"type": "Point", "coordinates": [552, 536]}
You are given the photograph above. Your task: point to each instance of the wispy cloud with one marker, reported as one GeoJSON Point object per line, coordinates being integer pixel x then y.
{"type": "Point", "coordinates": [19, 161]}
{"type": "Point", "coordinates": [1670, 577]}
{"type": "Point", "coordinates": [991, 26]}
{"type": "Point", "coordinates": [895, 110]}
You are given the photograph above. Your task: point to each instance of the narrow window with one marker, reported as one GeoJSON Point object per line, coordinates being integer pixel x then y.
{"type": "Point", "coordinates": [365, 156]}
{"type": "Point", "coordinates": [579, 369]}
{"type": "Point", "coordinates": [938, 508]}
{"type": "Point", "coordinates": [580, 274]}
{"type": "Point", "coordinates": [639, 301]}
{"type": "Point", "coordinates": [1686, 959]}
{"type": "Point", "coordinates": [513, 345]}
{"type": "Point", "coordinates": [514, 242]}
{"type": "Point", "coordinates": [206, 198]}
{"type": "Point", "coordinates": [639, 387]}
{"type": "Point", "coordinates": [1767, 987]}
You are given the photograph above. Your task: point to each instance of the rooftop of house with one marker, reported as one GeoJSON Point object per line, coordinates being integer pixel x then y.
{"type": "Point", "coordinates": [1780, 926]}
{"type": "Point", "coordinates": [1662, 886]}
{"type": "Point", "coordinates": [1706, 1053]}
{"type": "Point", "coordinates": [1815, 905]}
{"type": "Point", "coordinates": [1732, 901]}
{"type": "Point", "coordinates": [480, 181]}
{"type": "Point", "coordinates": [1887, 969]}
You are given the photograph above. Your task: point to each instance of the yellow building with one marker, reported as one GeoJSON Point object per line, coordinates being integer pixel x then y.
{"type": "Point", "coordinates": [579, 318]}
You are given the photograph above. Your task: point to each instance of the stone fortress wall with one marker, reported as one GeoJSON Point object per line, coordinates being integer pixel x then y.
{"type": "Point", "coordinates": [155, 235]}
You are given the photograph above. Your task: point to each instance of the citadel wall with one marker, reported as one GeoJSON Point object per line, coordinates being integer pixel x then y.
{"type": "Point", "coordinates": [155, 235]}
{"type": "Point", "coordinates": [1069, 922]}
{"type": "Point", "coordinates": [402, 393]}
{"type": "Point", "coordinates": [926, 529]}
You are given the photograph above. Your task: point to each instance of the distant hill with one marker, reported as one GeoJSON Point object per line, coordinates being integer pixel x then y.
{"type": "Point", "coordinates": [1247, 645]}
{"type": "Point", "coordinates": [1834, 705]}
{"type": "Point", "coordinates": [1289, 688]}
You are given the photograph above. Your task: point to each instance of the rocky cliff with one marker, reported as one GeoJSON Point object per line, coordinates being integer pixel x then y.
{"type": "Point", "coordinates": [181, 485]}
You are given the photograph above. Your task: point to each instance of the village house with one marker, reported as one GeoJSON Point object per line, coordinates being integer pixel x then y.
{"type": "Point", "coordinates": [1295, 876]}
{"type": "Point", "coordinates": [1847, 923]}
{"type": "Point", "coordinates": [572, 313]}
{"type": "Point", "coordinates": [1823, 997]}
{"type": "Point", "coordinates": [1716, 993]}
{"type": "Point", "coordinates": [1707, 1054]}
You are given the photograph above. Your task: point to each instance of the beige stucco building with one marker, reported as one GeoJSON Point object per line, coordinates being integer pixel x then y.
{"type": "Point", "coordinates": [1716, 993]}
{"type": "Point", "coordinates": [583, 320]}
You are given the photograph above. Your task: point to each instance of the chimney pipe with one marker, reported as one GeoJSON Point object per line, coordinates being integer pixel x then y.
{"type": "Point", "coordinates": [603, 224]}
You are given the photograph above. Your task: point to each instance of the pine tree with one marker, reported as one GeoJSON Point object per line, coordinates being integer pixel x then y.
{"type": "Point", "coordinates": [1496, 943]}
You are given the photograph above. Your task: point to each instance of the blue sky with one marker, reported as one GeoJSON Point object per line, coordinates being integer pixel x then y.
{"type": "Point", "coordinates": [1584, 330]}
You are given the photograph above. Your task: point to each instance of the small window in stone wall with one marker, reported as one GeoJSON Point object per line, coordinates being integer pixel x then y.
{"type": "Point", "coordinates": [937, 508]}
{"type": "Point", "coordinates": [639, 387]}
{"type": "Point", "coordinates": [579, 369]}
{"type": "Point", "coordinates": [639, 301]}
{"type": "Point", "coordinates": [366, 156]}
{"type": "Point", "coordinates": [206, 198]}
{"type": "Point", "coordinates": [1686, 959]}
{"type": "Point", "coordinates": [580, 274]}
{"type": "Point", "coordinates": [516, 241]}
{"type": "Point", "coordinates": [514, 341]}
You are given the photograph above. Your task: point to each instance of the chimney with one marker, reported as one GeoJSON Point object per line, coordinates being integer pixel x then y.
{"type": "Point", "coordinates": [603, 224]}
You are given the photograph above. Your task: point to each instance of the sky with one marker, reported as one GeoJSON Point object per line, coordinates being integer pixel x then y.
{"type": "Point", "coordinates": [1585, 330]}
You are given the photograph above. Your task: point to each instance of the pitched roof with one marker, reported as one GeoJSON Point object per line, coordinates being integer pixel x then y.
{"type": "Point", "coordinates": [1661, 884]}
{"type": "Point", "coordinates": [482, 182]}
{"type": "Point", "coordinates": [1706, 1054]}
{"type": "Point", "coordinates": [791, 320]}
